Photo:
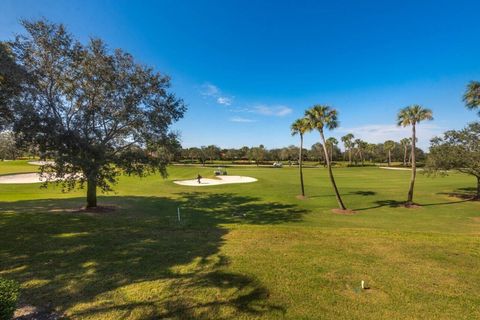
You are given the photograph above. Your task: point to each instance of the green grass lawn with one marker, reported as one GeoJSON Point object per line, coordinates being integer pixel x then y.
{"type": "Point", "coordinates": [248, 250]}
{"type": "Point", "coordinates": [17, 166]}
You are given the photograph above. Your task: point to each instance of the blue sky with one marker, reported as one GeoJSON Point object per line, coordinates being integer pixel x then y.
{"type": "Point", "coordinates": [247, 69]}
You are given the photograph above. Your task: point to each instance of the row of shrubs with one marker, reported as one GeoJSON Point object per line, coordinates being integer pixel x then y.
{"type": "Point", "coordinates": [9, 294]}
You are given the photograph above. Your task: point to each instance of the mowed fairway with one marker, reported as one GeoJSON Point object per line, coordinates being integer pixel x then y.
{"type": "Point", "coordinates": [247, 250]}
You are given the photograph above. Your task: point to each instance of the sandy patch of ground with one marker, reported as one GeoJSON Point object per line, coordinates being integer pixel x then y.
{"type": "Point", "coordinates": [21, 178]}
{"type": "Point", "coordinates": [402, 169]}
{"type": "Point", "coordinates": [210, 182]}
{"type": "Point", "coordinates": [344, 212]}
{"type": "Point", "coordinates": [40, 163]}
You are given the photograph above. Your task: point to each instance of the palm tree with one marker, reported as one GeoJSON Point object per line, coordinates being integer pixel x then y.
{"type": "Point", "coordinates": [320, 117]}
{"type": "Point", "coordinates": [370, 149]}
{"type": "Point", "coordinates": [361, 146]}
{"type": "Point", "coordinates": [348, 143]}
{"type": "Point", "coordinates": [410, 116]}
{"type": "Point", "coordinates": [405, 142]}
{"type": "Point", "coordinates": [331, 143]}
{"type": "Point", "coordinates": [472, 96]}
{"type": "Point", "coordinates": [300, 126]}
{"type": "Point", "coordinates": [388, 146]}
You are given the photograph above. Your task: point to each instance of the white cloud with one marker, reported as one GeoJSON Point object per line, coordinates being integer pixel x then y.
{"type": "Point", "coordinates": [379, 133]}
{"type": "Point", "coordinates": [278, 111]}
{"type": "Point", "coordinates": [209, 90]}
{"type": "Point", "coordinates": [240, 119]}
{"type": "Point", "coordinates": [224, 100]}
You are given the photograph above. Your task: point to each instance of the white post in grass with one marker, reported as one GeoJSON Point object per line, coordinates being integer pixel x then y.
{"type": "Point", "coordinates": [363, 284]}
{"type": "Point", "coordinates": [178, 213]}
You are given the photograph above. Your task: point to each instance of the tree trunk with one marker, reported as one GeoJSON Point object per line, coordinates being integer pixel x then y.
{"type": "Point", "coordinates": [405, 155]}
{"type": "Point", "coordinates": [300, 160]}
{"type": "Point", "coordinates": [91, 192]}
{"type": "Point", "coordinates": [331, 154]}
{"type": "Point", "coordinates": [330, 173]}
{"type": "Point", "coordinates": [414, 168]}
{"type": "Point", "coordinates": [350, 156]}
{"type": "Point", "coordinates": [389, 157]}
{"type": "Point", "coordinates": [478, 189]}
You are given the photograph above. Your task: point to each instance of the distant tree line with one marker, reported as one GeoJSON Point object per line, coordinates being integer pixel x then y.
{"type": "Point", "coordinates": [357, 152]}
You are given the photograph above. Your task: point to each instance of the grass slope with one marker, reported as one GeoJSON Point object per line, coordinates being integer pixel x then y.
{"type": "Point", "coordinates": [248, 251]}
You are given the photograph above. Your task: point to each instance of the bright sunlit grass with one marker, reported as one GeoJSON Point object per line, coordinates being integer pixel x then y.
{"type": "Point", "coordinates": [247, 251]}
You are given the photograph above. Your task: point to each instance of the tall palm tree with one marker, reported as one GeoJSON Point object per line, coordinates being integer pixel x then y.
{"type": "Point", "coordinates": [332, 142]}
{"type": "Point", "coordinates": [411, 116]}
{"type": "Point", "coordinates": [388, 146]}
{"type": "Point", "coordinates": [361, 146]}
{"type": "Point", "coordinates": [300, 126]}
{"type": "Point", "coordinates": [472, 96]}
{"type": "Point", "coordinates": [348, 143]}
{"type": "Point", "coordinates": [320, 117]}
{"type": "Point", "coordinates": [405, 142]}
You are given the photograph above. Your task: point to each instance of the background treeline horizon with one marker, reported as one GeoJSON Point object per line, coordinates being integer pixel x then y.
{"type": "Point", "coordinates": [357, 154]}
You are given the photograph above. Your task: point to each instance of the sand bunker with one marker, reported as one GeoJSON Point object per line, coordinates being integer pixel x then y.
{"type": "Point", "coordinates": [40, 163]}
{"type": "Point", "coordinates": [24, 178]}
{"type": "Point", "coordinates": [21, 178]}
{"type": "Point", "coordinates": [212, 182]}
{"type": "Point", "coordinates": [401, 169]}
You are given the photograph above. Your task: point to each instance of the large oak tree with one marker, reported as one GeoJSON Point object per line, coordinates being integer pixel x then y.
{"type": "Point", "coordinates": [457, 150]}
{"type": "Point", "coordinates": [97, 113]}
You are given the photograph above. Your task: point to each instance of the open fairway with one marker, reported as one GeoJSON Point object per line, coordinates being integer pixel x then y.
{"type": "Point", "coordinates": [247, 250]}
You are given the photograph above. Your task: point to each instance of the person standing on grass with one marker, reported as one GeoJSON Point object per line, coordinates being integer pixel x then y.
{"type": "Point", "coordinates": [199, 177]}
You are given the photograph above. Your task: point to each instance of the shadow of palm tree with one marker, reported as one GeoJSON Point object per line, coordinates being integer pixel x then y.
{"type": "Point", "coordinates": [468, 193]}
{"type": "Point", "coordinates": [363, 193]}
{"type": "Point", "coordinates": [384, 203]}
{"type": "Point", "coordinates": [81, 263]}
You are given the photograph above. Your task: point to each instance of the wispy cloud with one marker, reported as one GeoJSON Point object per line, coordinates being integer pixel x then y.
{"type": "Point", "coordinates": [379, 133]}
{"type": "Point", "coordinates": [214, 93]}
{"type": "Point", "coordinates": [240, 119]}
{"type": "Point", "coordinates": [224, 100]}
{"type": "Point", "coordinates": [277, 111]}
{"type": "Point", "coordinates": [209, 90]}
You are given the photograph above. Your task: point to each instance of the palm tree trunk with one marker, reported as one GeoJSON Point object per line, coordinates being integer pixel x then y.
{"type": "Point", "coordinates": [389, 157]}
{"type": "Point", "coordinates": [331, 153]}
{"type": "Point", "coordinates": [414, 168]}
{"type": "Point", "coordinates": [330, 173]}
{"type": "Point", "coordinates": [405, 156]}
{"type": "Point", "coordinates": [300, 161]}
{"type": "Point", "coordinates": [350, 156]}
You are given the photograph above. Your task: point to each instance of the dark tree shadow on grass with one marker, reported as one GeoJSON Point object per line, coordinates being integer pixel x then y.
{"type": "Point", "coordinates": [384, 203]}
{"type": "Point", "coordinates": [468, 193]}
{"type": "Point", "coordinates": [363, 193]}
{"type": "Point", "coordinates": [67, 259]}
{"type": "Point", "coordinates": [396, 204]}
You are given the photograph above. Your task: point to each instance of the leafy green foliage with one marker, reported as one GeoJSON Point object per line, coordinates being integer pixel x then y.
{"type": "Point", "coordinates": [95, 112]}
{"type": "Point", "coordinates": [12, 78]}
{"type": "Point", "coordinates": [457, 150]}
{"type": "Point", "coordinates": [472, 96]}
{"type": "Point", "coordinates": [9, 294]}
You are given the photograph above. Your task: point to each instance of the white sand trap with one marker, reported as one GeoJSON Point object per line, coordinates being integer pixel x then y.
{"type": "Point", "coordinates": [21, 178]}
{"type": "Point", "coordinates": [211, 182]}
{"type": "Point", "coordinates": [402, 169]}
{"type": "Point", "coordinates": [40, 163]}
{"type": "Point", "coordinates": [24, 178]}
